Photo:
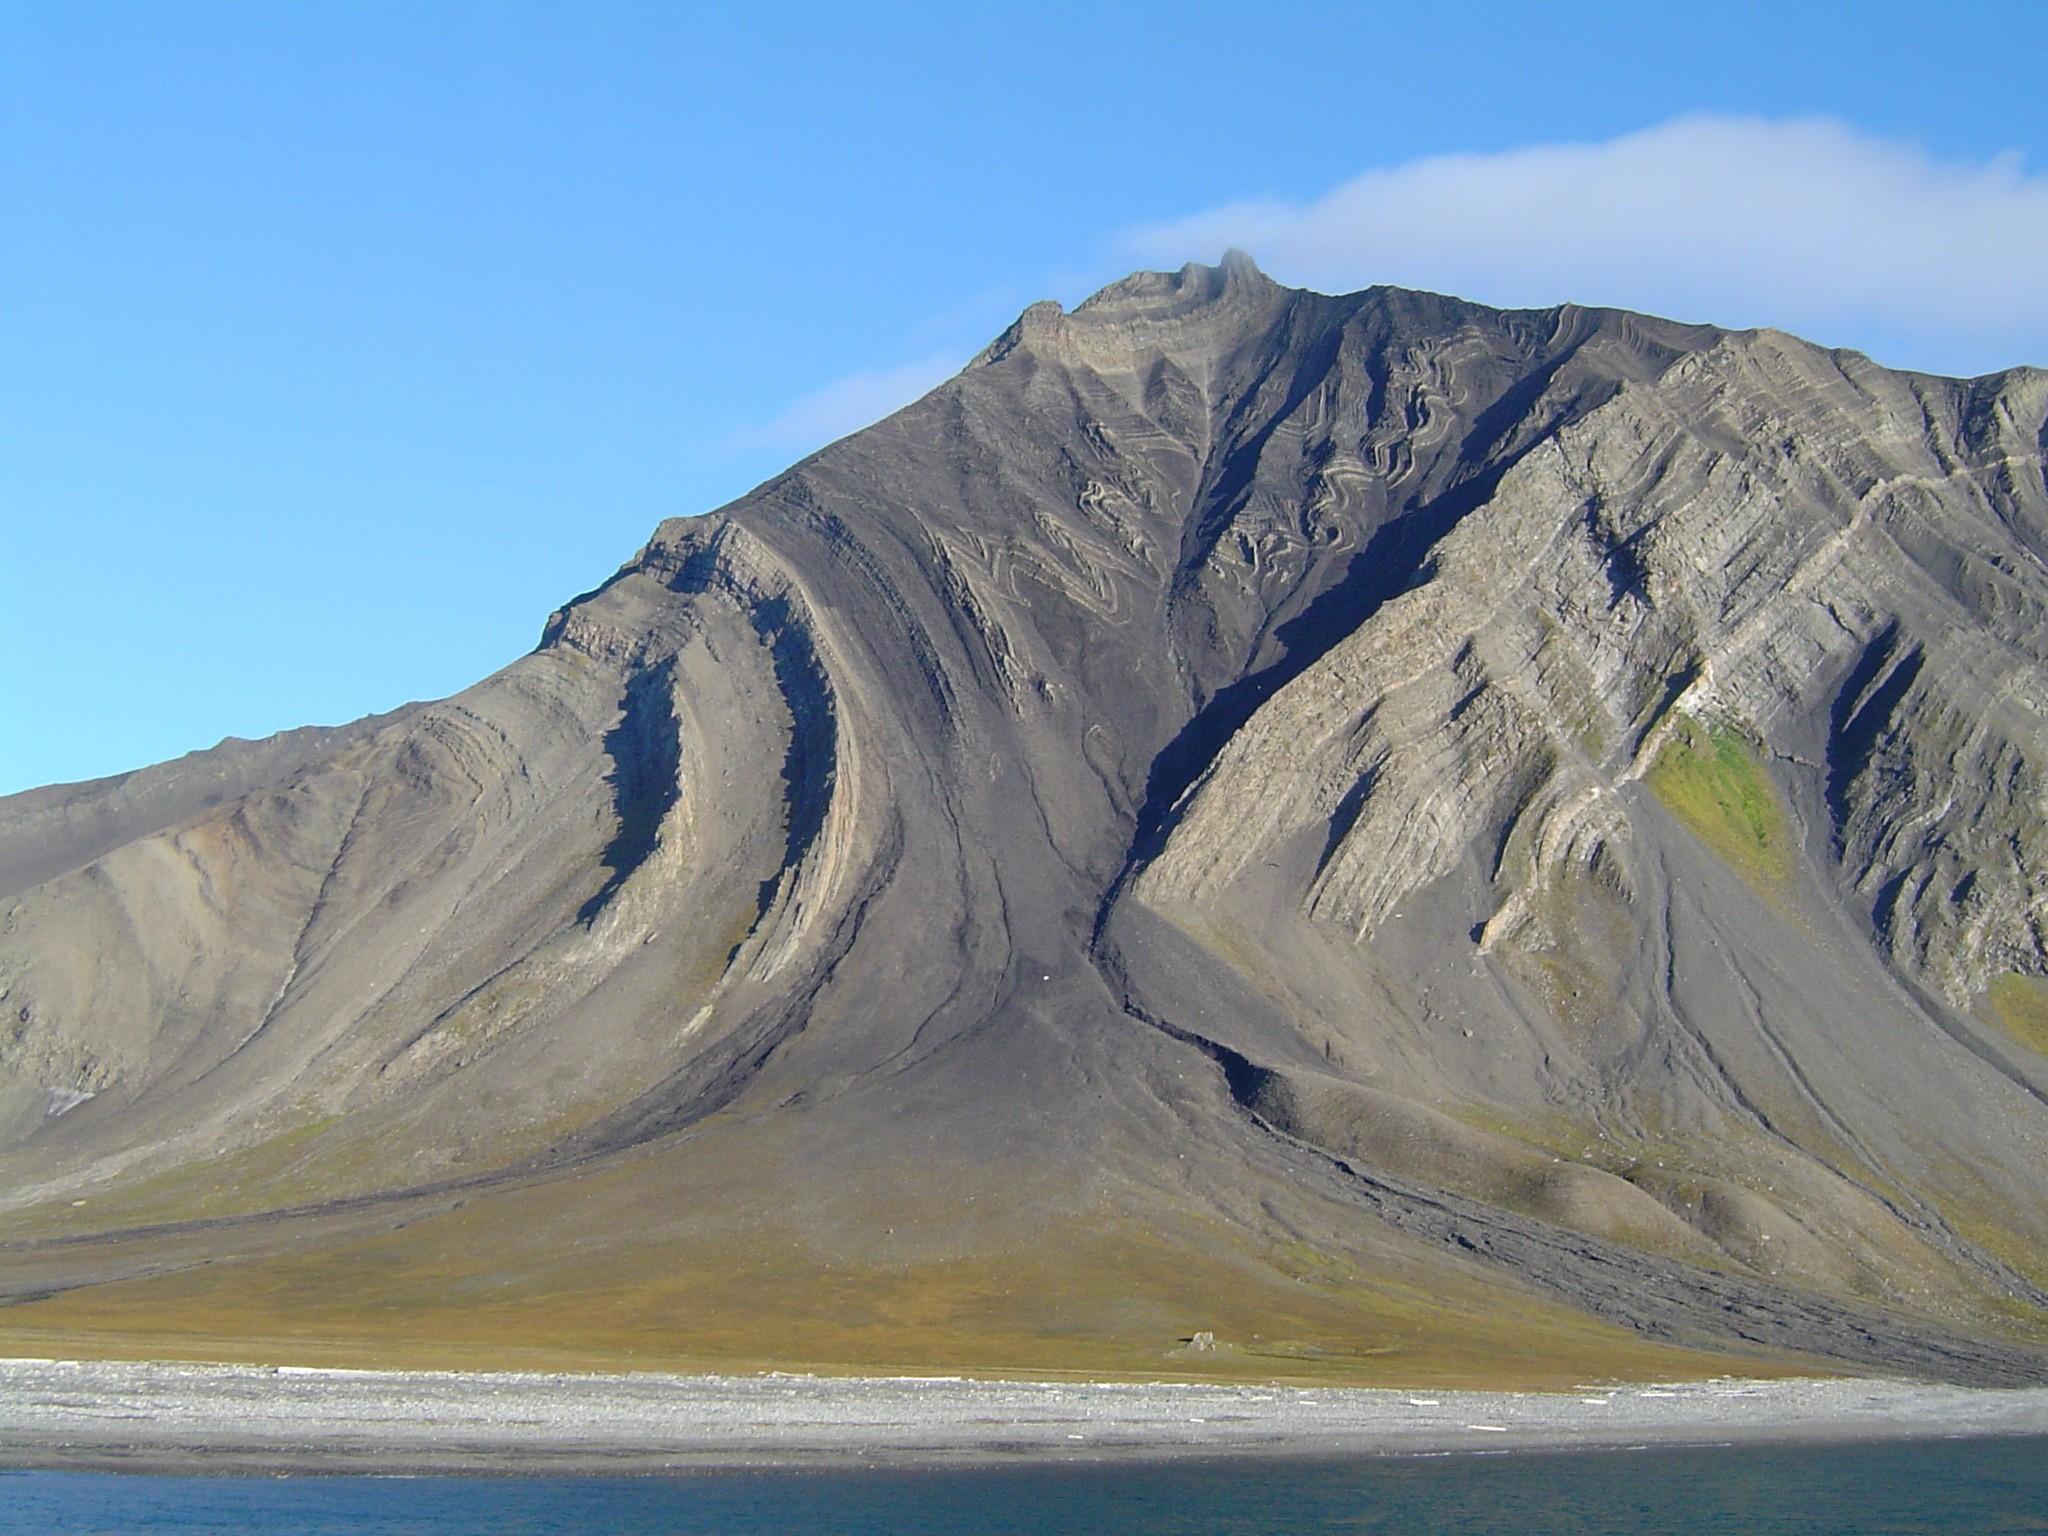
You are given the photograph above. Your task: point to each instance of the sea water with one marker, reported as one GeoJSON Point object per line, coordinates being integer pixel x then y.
{"type": "Point", "coordinates": [1954, 1488]}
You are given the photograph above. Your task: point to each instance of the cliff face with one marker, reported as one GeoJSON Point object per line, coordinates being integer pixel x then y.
{"type": "Point", "coordinates": [1425, 809]}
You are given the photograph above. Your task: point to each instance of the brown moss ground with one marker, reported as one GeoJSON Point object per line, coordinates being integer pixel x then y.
{"type": "Point", "coordinates": [1100, 1311]}
{"type": "Point", "coordinates": [1103, 1297]}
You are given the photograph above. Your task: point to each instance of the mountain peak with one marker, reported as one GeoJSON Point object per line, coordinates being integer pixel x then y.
{"type": "Point", "coordinates": [1237, 263]}
{"type": "Point", "coordinates": [1157, 306]}
{"type": "Point", "coordinates": [1501, 811]}
{"type": "Point", "coordinates": [1235, 277]}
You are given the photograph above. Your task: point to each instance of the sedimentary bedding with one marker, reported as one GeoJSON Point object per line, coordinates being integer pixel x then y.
{"type": "Point", "coordinates": [1415, 837]}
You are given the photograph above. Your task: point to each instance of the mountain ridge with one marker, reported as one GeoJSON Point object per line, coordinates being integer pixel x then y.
{"type": "Point", "coordinates": [1363, 787]}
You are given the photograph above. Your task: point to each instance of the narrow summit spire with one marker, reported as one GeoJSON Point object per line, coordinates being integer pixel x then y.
{"type": "Point", "coordinates": [1237, 264]}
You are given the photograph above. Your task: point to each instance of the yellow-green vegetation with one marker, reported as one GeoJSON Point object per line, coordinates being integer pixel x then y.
{"type": "Point", "coordinates": [1550, 1130]}
{"type": "Point", "coordinates": [475, 1288]}
{"type": "Point", "coordinates": [2014, 1232]}
{"type": "Point", "coordinates": [1989, 1227]}
{"type": "Point", "coordinates": [322, 1158]}
{"type": "Point", "coordinates": [1419, 1142]}
{"type": "Point", "coordinates": [292, 1167]}
{"type": "Point", "coordinates": [2020, 1004]}
{"type": "Point", "coordinates": [1097, 1311]}
{"type": "Point", "coordinates": [1709, 777]}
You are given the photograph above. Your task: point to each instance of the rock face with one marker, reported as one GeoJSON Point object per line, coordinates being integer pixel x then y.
{"type": "Point", "coordinates": [1539, 805]}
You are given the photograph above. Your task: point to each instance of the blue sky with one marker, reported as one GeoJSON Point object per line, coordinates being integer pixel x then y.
{"type": "Point", "coordinates": [340, 343]}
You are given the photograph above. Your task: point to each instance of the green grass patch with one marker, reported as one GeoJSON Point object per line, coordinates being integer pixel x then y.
{"type": "Point", "coordinates": [1709, 777]}
{"type": "Point", "coordinates": [2021, 1006]}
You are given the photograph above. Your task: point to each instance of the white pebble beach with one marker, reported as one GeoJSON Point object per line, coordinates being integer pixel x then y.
{"type": "Point", "coordinates": [163, 1417]}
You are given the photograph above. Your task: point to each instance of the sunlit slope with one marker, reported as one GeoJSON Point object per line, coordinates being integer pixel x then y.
{"type": "Point", "coordinates": [1362, 814]}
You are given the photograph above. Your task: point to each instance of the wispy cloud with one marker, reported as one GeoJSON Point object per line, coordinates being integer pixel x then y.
{"type": "Point", "coordinates": [1808, 225]}
{"type": "Point", "coordinates": [847, 404]}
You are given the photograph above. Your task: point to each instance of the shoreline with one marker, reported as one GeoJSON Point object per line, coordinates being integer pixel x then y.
{"type": "Point", "coordinates": [181, 1418]}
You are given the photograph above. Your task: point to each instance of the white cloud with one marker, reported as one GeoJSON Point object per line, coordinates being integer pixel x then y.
{"type": "Point", "coordinates": [1808, 225]}
{"type": "Point", "coordinates": [847, 404]}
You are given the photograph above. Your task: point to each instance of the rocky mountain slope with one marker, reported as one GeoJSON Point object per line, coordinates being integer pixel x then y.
{"type": "Point", "coordinates": [1426, 841]}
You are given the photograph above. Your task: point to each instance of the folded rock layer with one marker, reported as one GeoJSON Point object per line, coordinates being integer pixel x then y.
{"type": "Point", "coordinates": [1421, 840]}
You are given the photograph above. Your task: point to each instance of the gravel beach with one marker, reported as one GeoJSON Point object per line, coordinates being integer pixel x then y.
{"type": "Point", "coordinates": [247, 1419]}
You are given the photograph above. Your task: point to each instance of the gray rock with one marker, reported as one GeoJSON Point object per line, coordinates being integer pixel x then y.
{"type": "Point", "coordinates": [1552, 789]}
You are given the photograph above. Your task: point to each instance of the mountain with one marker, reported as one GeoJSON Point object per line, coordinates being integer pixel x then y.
{"type": "Point", "coordinates": [1428, 842]}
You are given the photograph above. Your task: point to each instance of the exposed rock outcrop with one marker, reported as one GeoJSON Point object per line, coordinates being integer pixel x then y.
{"type": "Point", "coordinates": [1549, 797]}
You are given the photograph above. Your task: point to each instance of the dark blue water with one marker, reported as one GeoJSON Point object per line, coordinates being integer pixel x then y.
{"type": "Point", "coordinates": [1954, 1488]}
